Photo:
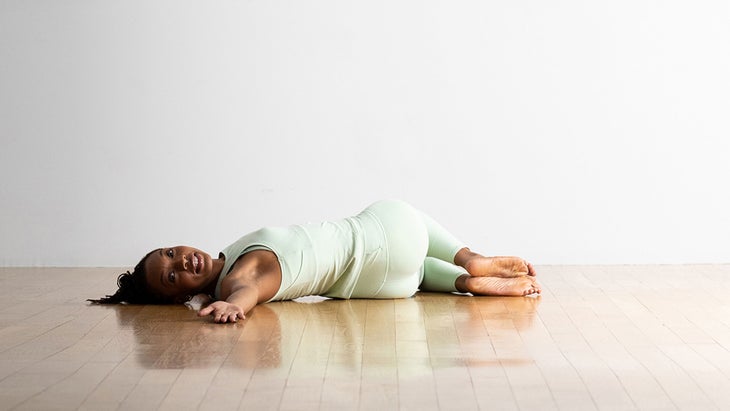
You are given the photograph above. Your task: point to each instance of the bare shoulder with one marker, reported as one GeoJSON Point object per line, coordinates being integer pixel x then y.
{"type": "Point", "coordinates": [258, 268]}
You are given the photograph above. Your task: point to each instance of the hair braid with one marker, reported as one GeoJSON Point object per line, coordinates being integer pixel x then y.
{"type": "Point", "coordinates": [132, 288]}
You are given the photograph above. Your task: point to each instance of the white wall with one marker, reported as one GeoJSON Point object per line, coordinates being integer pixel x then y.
{"type": "Point", "coordinates": [564, 131]}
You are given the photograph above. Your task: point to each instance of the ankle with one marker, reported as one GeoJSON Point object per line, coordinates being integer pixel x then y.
{"type": "Point", "coordinates": [463, 257]}
{"type": "Point", "coordinates": [461, 283]}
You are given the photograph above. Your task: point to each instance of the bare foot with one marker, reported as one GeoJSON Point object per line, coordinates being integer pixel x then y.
{"type": "Point", "coordinates": [516, 286]}
{"type": "Point", "coordinates": [505, 267]}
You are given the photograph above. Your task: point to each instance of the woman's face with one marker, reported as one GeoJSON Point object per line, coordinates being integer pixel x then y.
{"type": "Point", "coordinates": [178, 272]}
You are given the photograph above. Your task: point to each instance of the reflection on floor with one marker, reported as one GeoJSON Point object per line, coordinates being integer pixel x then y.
{"type": "Point", "coordinates": [600, 337]}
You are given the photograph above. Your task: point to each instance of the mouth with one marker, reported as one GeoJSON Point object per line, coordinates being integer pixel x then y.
{"type": "Point", "coordinates": [197, 263]}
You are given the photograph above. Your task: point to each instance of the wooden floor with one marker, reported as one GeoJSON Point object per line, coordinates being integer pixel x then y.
{"type": "Point", "coordinates": [600, 337]}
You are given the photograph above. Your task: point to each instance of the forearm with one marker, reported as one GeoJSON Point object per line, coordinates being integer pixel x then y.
{"type": "Point", "coordinates": [245, 297]}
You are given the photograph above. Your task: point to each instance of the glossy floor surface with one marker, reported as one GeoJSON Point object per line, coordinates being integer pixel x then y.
{"type": "Point", "coordinates": [600, 337]}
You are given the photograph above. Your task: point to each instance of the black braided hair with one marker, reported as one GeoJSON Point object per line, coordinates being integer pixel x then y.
{"type": "Point", "coordinates": [133, 288]}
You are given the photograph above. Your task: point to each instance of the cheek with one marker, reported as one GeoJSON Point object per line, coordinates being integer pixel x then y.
{"type": "Point", "coordinates": [190, 281]}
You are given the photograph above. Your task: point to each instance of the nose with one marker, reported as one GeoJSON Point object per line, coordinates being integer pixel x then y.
{"type": "Point", "coordinates": [181, 263]}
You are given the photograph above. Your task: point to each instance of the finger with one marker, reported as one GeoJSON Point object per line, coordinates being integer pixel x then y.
{"type": "Point", "coordinates": [234, 317]}
{"type": "Point", "coordinates": [531, 270]}
{"type": "Point", "coordinates": [205, 311]}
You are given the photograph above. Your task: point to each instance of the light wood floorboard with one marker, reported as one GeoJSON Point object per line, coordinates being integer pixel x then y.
{"type": "Point", "coordinates": [599, 338]}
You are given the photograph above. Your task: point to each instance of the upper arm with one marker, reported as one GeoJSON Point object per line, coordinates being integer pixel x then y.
{"type": "Point", "coordinates": [258, 271]}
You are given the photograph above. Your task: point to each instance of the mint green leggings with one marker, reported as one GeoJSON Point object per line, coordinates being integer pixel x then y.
{"type": "Point", "coordinates": [408, 251]}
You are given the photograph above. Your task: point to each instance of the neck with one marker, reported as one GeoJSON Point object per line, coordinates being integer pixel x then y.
{"type": "Point", "coordinates": [218, 264]}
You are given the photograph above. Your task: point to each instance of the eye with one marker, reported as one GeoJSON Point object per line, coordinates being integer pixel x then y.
{"type": "Point", "coordinates": [170, 252]}
{"type": "Point", "coordinates": [171, 277]}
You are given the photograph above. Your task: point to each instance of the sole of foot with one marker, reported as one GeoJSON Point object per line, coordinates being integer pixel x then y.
{"type": "Point", "coordinates": [514, 287]}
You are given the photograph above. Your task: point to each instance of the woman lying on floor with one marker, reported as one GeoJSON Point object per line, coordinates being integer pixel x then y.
{"type": "Point", "coordinates": [390, 250]}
